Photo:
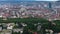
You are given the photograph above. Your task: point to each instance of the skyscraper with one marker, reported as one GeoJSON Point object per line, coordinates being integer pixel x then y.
{"type": "Point", "coordinates": [50, 5]}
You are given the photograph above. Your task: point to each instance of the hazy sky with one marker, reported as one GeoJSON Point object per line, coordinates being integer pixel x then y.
{"type": "Point", "coordinates": [28, 0]}
{"type": "Point", "coordinates": [46, 0]}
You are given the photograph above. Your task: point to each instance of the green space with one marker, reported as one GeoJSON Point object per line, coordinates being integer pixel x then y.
{"type": "Point", "coordinates": [30, 21]}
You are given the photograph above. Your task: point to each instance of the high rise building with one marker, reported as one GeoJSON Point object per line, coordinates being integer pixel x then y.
{"type": "Point", "coordinates": [50, 5]}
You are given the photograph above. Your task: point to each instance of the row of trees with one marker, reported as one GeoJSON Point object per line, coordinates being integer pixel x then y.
{"type": "Point", "coordinates": [24, 20]}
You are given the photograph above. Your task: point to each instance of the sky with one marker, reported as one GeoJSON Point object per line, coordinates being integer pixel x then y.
{"type": "Point", "coordinates": [46, 0]}
{"type": "Point", "coordinates": [28, 0]}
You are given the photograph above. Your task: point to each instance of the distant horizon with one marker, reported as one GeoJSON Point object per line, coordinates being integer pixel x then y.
{"type": "Point", "coordinates": [16, 1]}
{"type": "Point", "coordinates": [24, 1]}
{"type": "Point", "coordinates": [29, 0]}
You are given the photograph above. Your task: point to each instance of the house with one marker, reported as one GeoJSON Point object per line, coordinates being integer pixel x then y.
{"type": "Point", "coordinates": [10, 26]}
{"type": "Point", "coordinates": [6, 32]}
{"type": "Point", "coordinates": [1, 27]}
{"type": "Point", "coordinates": [18, 30]}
